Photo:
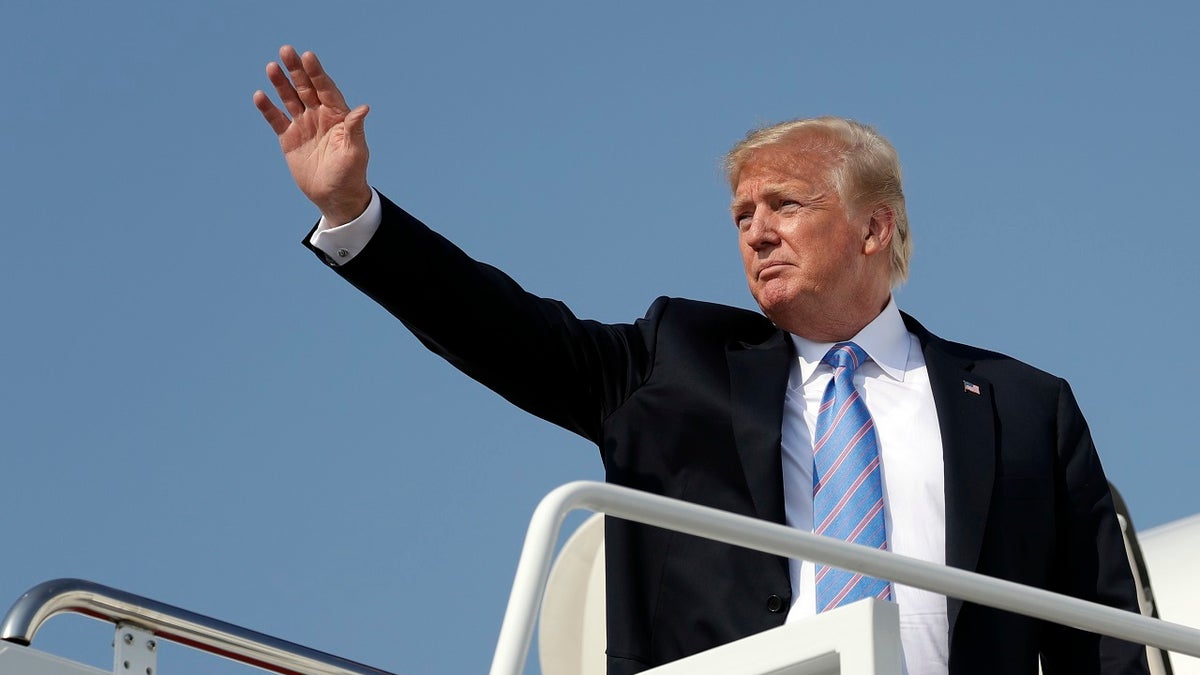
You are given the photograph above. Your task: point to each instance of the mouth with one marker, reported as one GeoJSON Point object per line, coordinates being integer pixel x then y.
{"type": "Point", "coordinates": [769, 267]}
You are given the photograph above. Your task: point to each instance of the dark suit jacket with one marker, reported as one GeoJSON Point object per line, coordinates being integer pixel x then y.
{"type": "Point", "coordinates": [688, 402]}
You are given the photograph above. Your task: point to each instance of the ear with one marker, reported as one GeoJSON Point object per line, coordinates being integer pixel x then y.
{"type": "Point", "coordinates": [880, 228]}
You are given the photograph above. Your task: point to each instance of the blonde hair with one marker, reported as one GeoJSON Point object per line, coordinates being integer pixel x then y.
{"type": "Point", "coordinates": [866, 170]}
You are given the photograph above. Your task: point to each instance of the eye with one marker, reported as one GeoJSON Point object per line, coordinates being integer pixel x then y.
{"type": "Point", "coordinates": [742, 221]}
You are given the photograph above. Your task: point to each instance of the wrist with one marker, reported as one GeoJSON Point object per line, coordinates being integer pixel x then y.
{"type": "Point", "coordinates": [346, 206]}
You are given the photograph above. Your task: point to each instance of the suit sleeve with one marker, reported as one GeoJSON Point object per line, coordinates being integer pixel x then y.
{"type": "Point", "coordinates": [533, 351]}
{"type": "Point", "coordinates": [1090, 560]}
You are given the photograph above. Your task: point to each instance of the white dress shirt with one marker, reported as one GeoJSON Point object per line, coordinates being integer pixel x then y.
{"type": "Point", "coordinates": [341, 243]}
{"type": "Point", "coordinates": [894, 384]}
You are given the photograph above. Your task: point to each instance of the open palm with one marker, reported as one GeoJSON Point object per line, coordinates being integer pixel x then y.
{"type": "Point", "coordinates": [323, 140]}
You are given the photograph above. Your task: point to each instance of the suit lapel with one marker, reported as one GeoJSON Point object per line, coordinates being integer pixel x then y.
{"type": "Point", "coordinates": [966, 420]}
{"type": "Point", "coordinates": [758, 375]}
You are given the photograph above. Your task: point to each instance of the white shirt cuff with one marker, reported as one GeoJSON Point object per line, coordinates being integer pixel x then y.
{"type": "Point", "coordinates": [343, 242]}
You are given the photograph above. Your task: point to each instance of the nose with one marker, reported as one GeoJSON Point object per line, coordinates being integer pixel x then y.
{"type": "Point", "coordinates": [762, 232]}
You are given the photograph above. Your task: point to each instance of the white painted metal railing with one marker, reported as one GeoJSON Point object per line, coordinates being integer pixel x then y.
{"type": "Point", "coordinates": [533, 569]}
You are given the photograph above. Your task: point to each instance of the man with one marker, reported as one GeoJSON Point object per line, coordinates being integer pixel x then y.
{"type": "Point", "coordinates": [939, 450]}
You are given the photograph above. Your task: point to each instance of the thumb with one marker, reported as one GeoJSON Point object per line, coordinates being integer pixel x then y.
{"type": "Point", "coordinates": [354, 123]}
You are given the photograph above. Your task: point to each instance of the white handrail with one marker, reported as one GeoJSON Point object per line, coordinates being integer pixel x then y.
{"type": "Point", "coordinates": [533, 568]}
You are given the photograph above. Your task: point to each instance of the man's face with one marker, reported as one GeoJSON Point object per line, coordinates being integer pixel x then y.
{"type": "Point", "coordinates": [802, 247]}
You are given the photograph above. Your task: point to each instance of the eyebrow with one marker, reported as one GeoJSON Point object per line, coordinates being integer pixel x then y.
{"type": "Point", "coordinates": [770, 189]}
{"type": "Point", "coordinates": [775, 190]}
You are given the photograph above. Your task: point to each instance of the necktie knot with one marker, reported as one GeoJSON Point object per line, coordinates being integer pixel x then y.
{"type": "Point", "coordinates": [845, 355]}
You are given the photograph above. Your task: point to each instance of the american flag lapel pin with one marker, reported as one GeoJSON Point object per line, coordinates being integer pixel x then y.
{"type": "Point", "coordinates": [971, 387]}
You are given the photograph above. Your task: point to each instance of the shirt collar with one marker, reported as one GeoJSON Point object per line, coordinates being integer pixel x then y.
{"type": "Point", "coordinates": [885, 340]}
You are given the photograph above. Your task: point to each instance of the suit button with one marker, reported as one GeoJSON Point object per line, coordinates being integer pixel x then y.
{"type": "Point", "coordinates": [774, 604]}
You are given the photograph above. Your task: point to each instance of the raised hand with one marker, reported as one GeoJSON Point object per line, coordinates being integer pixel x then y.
{"type": "Point", "coordinates": [323, 139]}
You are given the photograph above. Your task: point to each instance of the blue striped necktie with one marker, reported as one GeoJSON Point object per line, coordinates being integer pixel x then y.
{"type": "Point", "coordinates": [847, 489]}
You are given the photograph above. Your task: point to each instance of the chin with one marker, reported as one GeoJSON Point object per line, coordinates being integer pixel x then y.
{"type": "Point", "coordinates": [786, 308]}
{"type": "Point", "coordinates": [774, 308]}
{"type": "Point", "coordinates": [775, 297]}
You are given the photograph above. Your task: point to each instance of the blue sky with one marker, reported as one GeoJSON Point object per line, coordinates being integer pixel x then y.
{"type": "Point", "coordinates": [197, 411]}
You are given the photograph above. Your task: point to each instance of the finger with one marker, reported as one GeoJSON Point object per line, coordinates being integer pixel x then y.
{"type": "Point", "coordinates": [273, 115]}
{"type": "Point", "coordinates": [283, 87]}
{"type": "Point", "coordinates": [300, 80]}
{"type": "Point", "coordinates": [354, 124]}
{"type": "Point", "coordinates": [327, 91]}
